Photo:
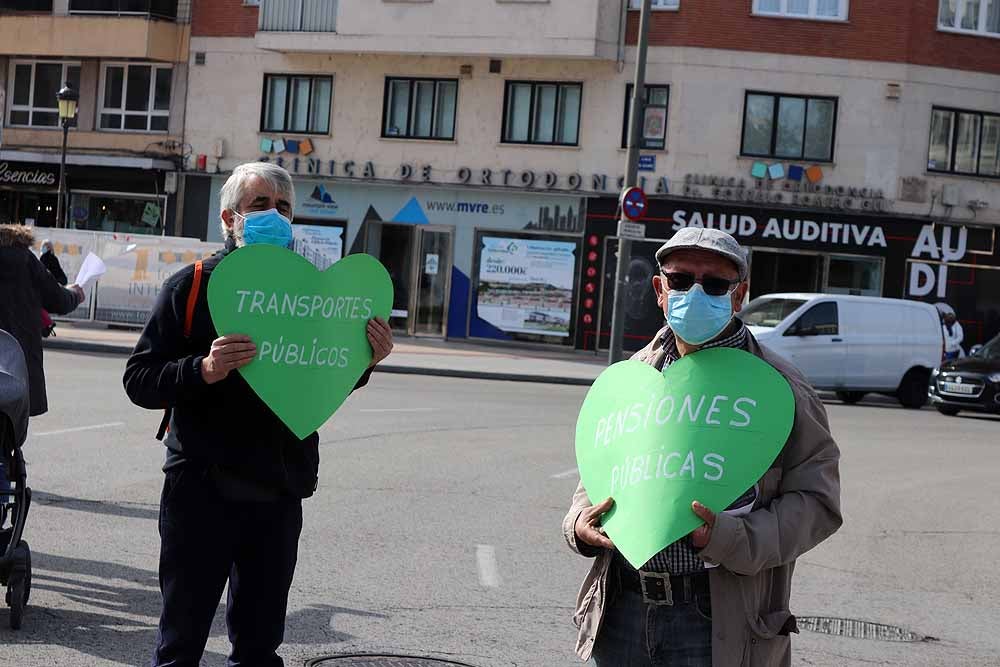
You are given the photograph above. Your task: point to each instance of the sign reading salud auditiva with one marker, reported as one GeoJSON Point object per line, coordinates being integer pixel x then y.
{"type": "Point", "coordinates": [309, 326]}
{"type": "Point", "coordinates": [705, 429]}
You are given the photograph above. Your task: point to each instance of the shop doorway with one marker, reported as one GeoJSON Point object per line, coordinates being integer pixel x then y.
{"type": "Point", "coordinates": [795, 271]}
{"type": "Point", "coordinates": [419, 261]}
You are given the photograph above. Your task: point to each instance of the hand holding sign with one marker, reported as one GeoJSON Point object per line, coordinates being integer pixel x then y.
{"type": "Point", "coordinates": [309, 329]}
{"type": "Point", "coordinates": [706, 429]}
{"type": "Point", "coordinates": [228, 353]}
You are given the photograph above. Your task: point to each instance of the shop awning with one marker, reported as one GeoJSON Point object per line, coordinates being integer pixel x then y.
{"type": "Point", "coordinates": [89, 160]}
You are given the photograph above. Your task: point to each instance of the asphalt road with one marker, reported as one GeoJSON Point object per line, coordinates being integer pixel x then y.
{"type": "Point", "coordinates": [435, 530]}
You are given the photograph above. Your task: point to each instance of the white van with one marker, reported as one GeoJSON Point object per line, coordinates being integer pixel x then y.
{"type": "Point", "coordinates": [852, 345]}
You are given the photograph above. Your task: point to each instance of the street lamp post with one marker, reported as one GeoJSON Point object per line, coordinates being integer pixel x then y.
{"type": "Point", "coordinates": [68, 97]}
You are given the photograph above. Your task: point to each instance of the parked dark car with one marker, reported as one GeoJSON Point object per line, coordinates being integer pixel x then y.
{"type": "Point", "coordinates": [972, 383]}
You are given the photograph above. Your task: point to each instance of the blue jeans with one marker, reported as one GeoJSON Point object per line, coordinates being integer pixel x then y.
{"type": "Point", "coordinates": [636, 634]}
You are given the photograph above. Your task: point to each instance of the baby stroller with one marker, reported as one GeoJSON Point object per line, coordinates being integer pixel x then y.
{"type": "Point", "coordinates": [15, 558]}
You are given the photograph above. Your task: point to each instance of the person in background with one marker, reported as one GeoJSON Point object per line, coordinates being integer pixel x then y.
{"type": "Point", "coordinates": [51, 262]}
{"type": "Point", "coordinates": [953, 335]}
{"type": "Point", "coordinates": [26, 288]}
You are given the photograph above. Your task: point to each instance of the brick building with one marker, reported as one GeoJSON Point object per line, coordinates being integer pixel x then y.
{"type": "Point", "coordinates": [436, 134]}
{"type": "Point", "coordinates": [128, 62]}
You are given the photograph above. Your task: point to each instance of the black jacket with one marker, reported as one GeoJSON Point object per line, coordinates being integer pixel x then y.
{"type": "Point", "coordinates": [221, 427]}
{"type": "Point", "coordinates": [26, 287]}
{"type": "Point", "coordinates": [51, 263]}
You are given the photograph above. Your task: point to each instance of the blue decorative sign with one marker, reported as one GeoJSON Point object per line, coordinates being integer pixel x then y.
{"type": "Point", "coordinates": [647, 163]}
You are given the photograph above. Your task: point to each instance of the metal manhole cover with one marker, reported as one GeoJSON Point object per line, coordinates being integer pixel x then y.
{"type": "Point", "coordinates": [854, 629]}
{"type": "Point", "coordinates": [381, 661]}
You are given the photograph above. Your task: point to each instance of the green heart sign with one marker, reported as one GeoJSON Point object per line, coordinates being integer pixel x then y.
{"type": "Point", "coordinates": [309, 326]}
{"type": "Point", "coordinates": [705, 429]}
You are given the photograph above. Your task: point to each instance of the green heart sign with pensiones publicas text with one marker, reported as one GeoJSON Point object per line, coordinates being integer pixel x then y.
{"type": "Point", "coordinates": [706, 429]}
{"type": "Point", "coordinates": [310, 327]}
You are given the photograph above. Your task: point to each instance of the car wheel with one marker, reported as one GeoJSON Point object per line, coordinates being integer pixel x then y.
{"type": "Point", "coordinates": [851, 397]}
{"type": "Point", "coordinates": [947, 411]}
{"type": "Point", "coordinates": [912, 392]}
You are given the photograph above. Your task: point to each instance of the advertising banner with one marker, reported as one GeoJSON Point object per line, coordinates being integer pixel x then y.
{"type": "Point", "coordinates": [526, 285]}
{"type": "Point", "coordinates": [137, 266]}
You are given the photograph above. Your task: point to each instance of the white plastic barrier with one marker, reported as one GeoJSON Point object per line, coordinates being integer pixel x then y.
{"type": "Point", "coordinates": [137, 266]}
{"type": "Point", "coordinates": [71, 247]}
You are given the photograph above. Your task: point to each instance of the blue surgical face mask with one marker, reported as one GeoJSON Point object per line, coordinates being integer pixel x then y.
{"type": "Point", "coordinates": [268, 227]}
{"type": "Point", "coordinates": [697, 317]}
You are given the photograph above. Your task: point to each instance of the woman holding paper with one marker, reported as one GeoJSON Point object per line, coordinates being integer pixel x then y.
{"type": "Point", "coordinates": [27, 287]}
{"type": "Point", "coordinates": [51, 262]}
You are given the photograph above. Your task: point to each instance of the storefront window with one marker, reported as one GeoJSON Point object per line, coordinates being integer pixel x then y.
{"type": "Point", "coordinates": [524, 287]}
{"type": "Point", "coordinates": [36, 209]}
{"type": "Point", "coordinates": [854, 275]}
{"type": "Point", "coordinates": [117, 213]}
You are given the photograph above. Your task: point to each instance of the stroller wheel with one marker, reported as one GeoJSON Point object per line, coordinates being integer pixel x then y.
{"type": "Point", "coordinates": [19, 586]}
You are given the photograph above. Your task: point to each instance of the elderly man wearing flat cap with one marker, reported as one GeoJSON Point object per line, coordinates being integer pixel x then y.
{"type": "Point", "coordinates": [720, 595]}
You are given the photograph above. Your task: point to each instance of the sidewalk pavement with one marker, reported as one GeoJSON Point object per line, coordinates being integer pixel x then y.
{"type": "Point", "coordinates": [412, 356]}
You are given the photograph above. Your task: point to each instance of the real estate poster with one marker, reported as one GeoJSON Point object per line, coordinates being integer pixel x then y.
{"type": "Point", "coordinates": [526, 285]}
{"type": "Point", "coordinates": [321, 245]}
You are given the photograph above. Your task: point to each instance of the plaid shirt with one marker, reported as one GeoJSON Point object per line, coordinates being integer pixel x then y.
{"type": "Point", "coordinates": [681, 558]}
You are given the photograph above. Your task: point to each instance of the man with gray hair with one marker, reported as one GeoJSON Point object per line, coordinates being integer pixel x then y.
{"type": "Point", "coordinates": [235, 475]}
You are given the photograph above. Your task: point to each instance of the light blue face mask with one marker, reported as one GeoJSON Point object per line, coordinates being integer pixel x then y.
{"type": "Point", "coordinates": [268, 227]}
{"type": "Point", "coordinates": [696, 317]}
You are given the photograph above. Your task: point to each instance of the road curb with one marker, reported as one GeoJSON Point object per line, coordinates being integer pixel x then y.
{"type": "Point", "coordinates": [85, 346]}
{"type": "Point", "coordinates": [123, 351]}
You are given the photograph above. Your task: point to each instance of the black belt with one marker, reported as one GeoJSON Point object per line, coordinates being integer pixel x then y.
{"type": "Point", "coordinates": [662, 588]}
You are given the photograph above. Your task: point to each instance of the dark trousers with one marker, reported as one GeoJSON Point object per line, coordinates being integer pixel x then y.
{"type": "Point", "coordinates": [636, 634]}
{"type": "Point", "coordinates": [206, 540]}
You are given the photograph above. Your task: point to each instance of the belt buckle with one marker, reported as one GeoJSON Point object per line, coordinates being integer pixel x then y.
{"type": "Point", "coordinates": [668, 596]}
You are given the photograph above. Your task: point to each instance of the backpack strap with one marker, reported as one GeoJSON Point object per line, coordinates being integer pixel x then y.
{"type": "Point", "coordinates": [192, 301]}
{"type": "Point", "coordinates": [199, 268]}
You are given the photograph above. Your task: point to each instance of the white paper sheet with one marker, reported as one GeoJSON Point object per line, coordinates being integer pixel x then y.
{"type": "Point", "coordinates": [91, 269]}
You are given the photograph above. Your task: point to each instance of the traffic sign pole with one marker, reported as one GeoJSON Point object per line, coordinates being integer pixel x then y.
{"type": "Point", "coordinates": [615, 352]}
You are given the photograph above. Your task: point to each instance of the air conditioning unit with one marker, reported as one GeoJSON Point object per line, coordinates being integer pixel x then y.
{"type": "Point", "coordinates": [950, 195]}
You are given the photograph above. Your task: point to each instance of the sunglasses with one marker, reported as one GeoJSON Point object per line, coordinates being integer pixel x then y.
{"type": "Point", "coordinates": [713, 285]}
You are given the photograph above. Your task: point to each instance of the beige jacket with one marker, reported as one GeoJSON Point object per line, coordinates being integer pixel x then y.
{"type": "Point", "coordinates": [797, 508]}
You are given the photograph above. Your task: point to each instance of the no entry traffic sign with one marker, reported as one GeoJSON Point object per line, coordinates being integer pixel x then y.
{"type": "Point", "coordinates": [633, 203]}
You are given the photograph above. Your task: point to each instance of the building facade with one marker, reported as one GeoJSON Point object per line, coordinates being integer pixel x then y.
{"type": "Point", "coordinates": [477, 147]}
{"type": "Point", "coordinates": [128, 61]}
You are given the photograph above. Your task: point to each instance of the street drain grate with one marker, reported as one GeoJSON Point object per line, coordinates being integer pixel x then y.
{"type": "Point", "coordinates": [854, 629]}
{"type": "Point", "coordinates": [381, 661]}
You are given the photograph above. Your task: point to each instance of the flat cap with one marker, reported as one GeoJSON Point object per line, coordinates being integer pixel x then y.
{"type": "Point", "coordinates": [712, 240]}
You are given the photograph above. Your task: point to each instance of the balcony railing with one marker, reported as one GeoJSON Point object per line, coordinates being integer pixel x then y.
{"type": "Point", "coordinates": [298, 16]}
{"type": "Point", "coordinates": [161, 9]}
